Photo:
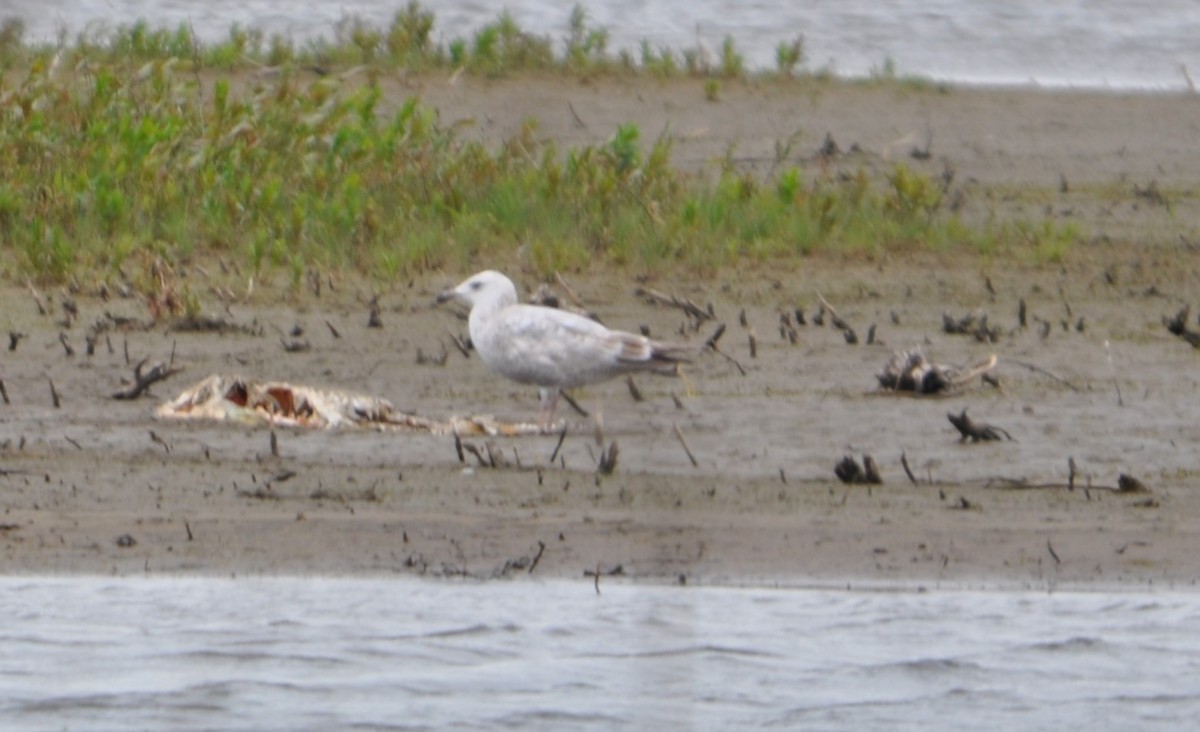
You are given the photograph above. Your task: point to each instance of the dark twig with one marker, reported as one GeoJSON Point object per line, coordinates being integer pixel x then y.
{"type": "Point", "coordinates": [683, 442]}
{"type": "Point", "coordinates": [693, 310]}
{"type": "Point", "coordinates": [562, 435]}
{"type": "Point", "coordinates": [143, 381]}
{"type": "Point", "coordinates": [711, 344]}
{"type": "Point", "coordinates": [462, 344]}
{"type": "Point", "coordinates": [574, 404]}
{"type": "Point", "coordinates": [608, 459]}
{"type": "Point", "coordinates": [1044, 372]}
{"type": "Point", "coordinates": [537, 557]}
{"type": "Point", "coordinates": [373, 319]}
{"type": "Point", "coordinates": [976, 431]}
{"type": "Point", "coordinates": [54, 394]}
{"type": "Point", "coordinates": [296, 345]}
{"type": "Point", "coordinates": [907, 470]}
{"type": "Point", "coordinates": [848, 470]}
{"type": "Point", "coordinates": [634, 391]}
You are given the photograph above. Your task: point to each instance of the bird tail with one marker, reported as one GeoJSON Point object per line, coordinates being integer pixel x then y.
{"type": "Point", "coordinates": [666, 357]}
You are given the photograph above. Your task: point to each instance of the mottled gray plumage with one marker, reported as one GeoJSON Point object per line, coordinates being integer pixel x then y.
{"type": "Point", "coordinates": [550, 348]}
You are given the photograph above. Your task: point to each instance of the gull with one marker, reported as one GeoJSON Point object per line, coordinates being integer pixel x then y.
{"type": "Point", "coordinates": [550, 348]}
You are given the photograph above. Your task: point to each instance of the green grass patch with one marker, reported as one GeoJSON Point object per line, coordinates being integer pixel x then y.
{"type": "Point", "coordinates": [121, 159]}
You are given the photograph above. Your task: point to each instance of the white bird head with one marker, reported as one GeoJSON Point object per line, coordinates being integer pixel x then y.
{"type": "Point", "coordinates": [488, 289]}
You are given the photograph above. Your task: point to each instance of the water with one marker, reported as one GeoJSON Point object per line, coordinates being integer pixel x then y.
{"type": "Point", "coordinates": [320, 654]}
{"type": "Point", "coordinates": [1119, 44]}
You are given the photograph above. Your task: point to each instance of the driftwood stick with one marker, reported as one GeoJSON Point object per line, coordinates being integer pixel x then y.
{"type": "Point", "coordinates": [37, 298]}
{"type": "Point", "coordinates": [683, 443]}
{"type": "Point", "coordinates": [837, 322]}
{"type": "Point", "coordinates": [976, 431]}
{"type": "Point", "coordinates": [693, 310]}
{"type": "Point", "coordinates": [460, 343]}
{"type": "Point", "coordinates": [570, 293]}
{"type": "Point", "coordinates": [143, 381]}
{"type": "Point", "coordinates": [608, 459]}
{"type": "Point", "coordinates": [978, 369]}
{"type": "Point", "coordinates": [907, 470]}
{"type": "Point", "coordinates": [1044, 372]}
{"type": "Point", "coordinates": [634, 391]}
{"type": "Point", "coordinates": [1113, 368]}
{"type": "Point", "coordinates": [574, 404]}
{"type": "Point", "coordinates": [54, 394]}
{"type": "Point", "coordinates": [562, 435]}
{"type": "Point", "coordinates": [711, 343]}
{"type": "Point", "coordinates": [848, 470]}
{"type": "Point", "coordinates": [537, 557]}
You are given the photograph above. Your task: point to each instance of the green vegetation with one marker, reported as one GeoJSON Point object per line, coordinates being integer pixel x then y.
{"type": "Point", "coordinates": [129, 155]}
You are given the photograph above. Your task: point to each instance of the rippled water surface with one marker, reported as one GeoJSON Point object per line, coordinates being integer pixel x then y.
{"type": "Point", "coordinates": [319, 654]}
{"type": "Point", "coordinates": [1092, 43]}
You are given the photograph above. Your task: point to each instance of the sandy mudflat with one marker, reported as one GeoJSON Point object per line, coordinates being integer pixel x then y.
{"type": "Point", "coordinates": [1118, 396]}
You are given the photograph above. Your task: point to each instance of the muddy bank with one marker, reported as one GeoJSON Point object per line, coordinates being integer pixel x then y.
{"type": "Point", "coordinates": [1092, 378]}
{"type": "Point", "coordinates": [99, 485]}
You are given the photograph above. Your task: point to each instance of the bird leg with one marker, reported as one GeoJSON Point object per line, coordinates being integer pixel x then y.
{"type": "Point", "coordinates": [548, 399]}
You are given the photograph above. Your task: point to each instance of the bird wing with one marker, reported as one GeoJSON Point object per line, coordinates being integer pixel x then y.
{"type": "Point", "coordinates": [550, 347]}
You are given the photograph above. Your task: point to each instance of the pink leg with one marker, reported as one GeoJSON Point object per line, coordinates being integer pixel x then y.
{"type": "Point", "coordinates": [549, 403]}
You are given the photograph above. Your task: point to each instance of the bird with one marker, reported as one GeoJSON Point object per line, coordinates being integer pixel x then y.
{"type": "Point", "coordinates": [550, 348]}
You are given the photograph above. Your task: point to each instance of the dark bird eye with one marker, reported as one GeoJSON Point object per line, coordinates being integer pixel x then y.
{"type": "Point", "coordinates": [476, 285]}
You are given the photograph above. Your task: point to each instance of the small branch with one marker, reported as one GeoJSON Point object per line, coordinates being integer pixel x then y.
{"type": "Point", "coordinates": [460, 343]}
{"type": "Point", "coordinates": [1044, 372]}
{"type": "Point", "coordinates": [848, 470]}
{"type": "Point", "coordinates": [574, 404]}
{"type": "Point", "coordinates": [683, 443]}
{"type": "Point", "coordinates": [975, 431]}
{"type": "Point", "coordinates": [907, 470]}
{"type": "Point", "coordinates": [37, 298]}
{"type": "Point", "coordinates": [373, 319]}
{"type": "Point", "coordinates": [54, 394]}
{"type": "Point", "coordinates": [558, 446]}
{"type": "Point", "coordinates": [693, 310]}
{"type": "Point", "coordinates": [537, 557]}
{"type": "Point", "coordinates": [608, 459]}
{"type": "Point", "coordinates": [711, 344]}
{"type": "Point", "coordinates": [570, 293]}
{"type": "Point", "coordinates": [143, 381]}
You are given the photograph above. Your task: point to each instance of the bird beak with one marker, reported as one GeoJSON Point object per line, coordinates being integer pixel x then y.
{"type": "Point", "coordinates": [446, 296]}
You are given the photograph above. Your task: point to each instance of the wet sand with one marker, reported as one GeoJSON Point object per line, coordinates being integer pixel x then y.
{"type": "Point", "coordinates": [99, 485]}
